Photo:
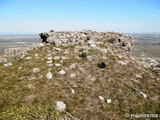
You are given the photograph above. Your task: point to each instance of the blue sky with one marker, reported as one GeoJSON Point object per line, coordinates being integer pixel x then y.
{"type": "Point", "coordinates": [35, 16]}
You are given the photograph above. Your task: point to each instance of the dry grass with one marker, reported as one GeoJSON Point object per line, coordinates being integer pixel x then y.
{"type": "Point", "coordinates": [25, 89]}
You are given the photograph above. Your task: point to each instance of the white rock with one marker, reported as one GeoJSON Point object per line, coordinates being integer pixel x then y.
{"type": "Point", "coordinates": [93, 79]}
{"type": "Point", "coordinates": [138, 76]}
{"type": "Point", "coordinates": [22, 56]}
{"type": "Point", "coordinates": [48, 51]}
{"type": "Point", "coordinates": [122, 62]}
{"type": "Point", "coordinates": [35, 69]}
{"type": "Point", "coordinates": [19, 68]}
{"type": "Point", "coordinates": [56, 58]}
{"type": "Point", "coordinates": [27, 58]}
{"type": "Point", "coordinates": [143, 94]}
{"type": "Point", "coordinates": [60, 106]}
{"type": "Point", "coordinates": [36, 55]}
{"type": "Point", "coordinates": [49, 58]}
{"type": "Point", "coordinates": [57, 49]}
{"type": "Point", "coordinates": [57, 65]}
{"type": "Point", "coordinates": [109, 101]}
{"type": "Point", "coordinates": [49, 55]}
{"type": "Point", "coordinates": [49, 75]}
{"type": "Point", "coordinates": [49, 62]}
{"type": "Point", "coordinates": [72, 91]}
{"type": "Point", "coordinates": [101, 98]}
{"type": "Point", "coordinates": [49, 69]}
{"type": "Point", "coordinates": [49, 65]}
{"type": "Point", "coordinates": [62, 72]}
{"type": "Point", "coordinates": [93, 46]}
{"type": "Point", "coordinates": [8, 64]}
{"type": "Point", "coordinates": [64, 58]}
{"type": "Point", "coordinates": [73, 75]}
{"type": "Point", "coordinates": [3, 60]}
{"type": "Point", "coordinates": [61, 61]}
{"type": "Point", "coordinates": [89, 42]}
{"type": "Point", "coordinates": [73, 66]}
{"type": "Point", "coordinates": [66, 52]}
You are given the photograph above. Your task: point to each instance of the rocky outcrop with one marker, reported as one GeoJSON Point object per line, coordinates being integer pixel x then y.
{"type": "Point", "coordinates": [115, 41]}
{"type": "Point", "coordinates": [21, 51]}
{"type": "Point", "coordinates": [153, 64]}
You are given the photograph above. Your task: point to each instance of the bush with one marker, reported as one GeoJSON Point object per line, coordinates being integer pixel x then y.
{"type": "Point", "coordinates": [101, 65]}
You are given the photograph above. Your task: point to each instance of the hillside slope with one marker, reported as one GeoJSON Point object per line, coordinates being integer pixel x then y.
{"type": "Point", "coordinates": [92, 83]}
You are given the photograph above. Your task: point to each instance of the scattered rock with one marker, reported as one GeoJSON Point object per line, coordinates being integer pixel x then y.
{"type": "Point", "coordinates": [20, 68]}
{"type": "Point", "coordinates": [138, 76]}
{"type": "Point", "coordinates": [36, 55]}
{"type": "Point", "coordinates": [73, 75]}
{"type": "Point", "coordinates": [57, 49]}
{"type": "Point", "coordinates": [8, 64]}
{"type": "Point", "coordinates": [122, 62]}
{"type": "Point", "coordinates": [49, 75]}
{"type": "Point", "coordinates": [27, 58]}
{"type": "Point", "coordinates": [101, 98]}
{"type": "Point", "coordinates": [60, 106]}
{"type": "Point", "coordinates": [143, 94]}
{"type": "Point", "coordinates": [64, 57]}
{"type": "Point", "coordinates": [49, 62]}
{"type": "Point", "coordinates": [61, 61]}
{"type": "Point", "coordinates": [75, 86]}
{"type": "Point", "coordinates": [62, 72]}
{"type": "Point", "coordinates": [3, 60]}
{"type": "Point", "coordinates": [35, 70]}
{"type": "Point", "coordinates": [93, 79]}
{"type": "Point", "coordinates": [72, 91]}
{"type": "Point", "coordinates": [72, 66]}
{"type": "Point", "coordinates": [57, 65]}
{"type": "Point", "coordinates": [93, 46]}
{"type": "Point", "coordinates": [40, 76]}
{"type": "Point", "coordinates": [50, 65]}
{"type": "Point", "coordinates": [57, 58]}
{"type": "Point", "coordinates": [108, 101]}
{"type": "Point", "coordinates": [90, 58]}
{"type": "Point", "coordinates": [66, 52]}
{"type": "Point", "coordinates": [49, 58]}
{"type": "Point", "coordinates": [49, 55]}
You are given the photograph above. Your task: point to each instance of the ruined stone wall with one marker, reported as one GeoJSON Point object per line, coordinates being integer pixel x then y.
{"type": "Point", "coordinates": [111, 40]}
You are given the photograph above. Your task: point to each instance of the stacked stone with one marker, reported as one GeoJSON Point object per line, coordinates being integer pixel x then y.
{"type": "Point", "coordinates": [118, 42]}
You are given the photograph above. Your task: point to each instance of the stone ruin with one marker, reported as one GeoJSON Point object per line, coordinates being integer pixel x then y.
{"type": "Point", "coordinates": [116, 42]}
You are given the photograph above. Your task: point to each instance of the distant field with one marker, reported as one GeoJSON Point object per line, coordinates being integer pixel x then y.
{"type": "Point", "coordinates": [16, 41]}
{"type": "Point", "coordinates": [146, 46]}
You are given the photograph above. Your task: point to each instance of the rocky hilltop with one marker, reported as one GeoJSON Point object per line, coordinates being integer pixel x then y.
{"type": "Point", "coordinates": [118, 42]}
{"type": "Point", "coordinates": [82, 75]}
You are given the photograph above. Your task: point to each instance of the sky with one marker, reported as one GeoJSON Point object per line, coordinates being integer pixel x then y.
{"type": "Point", "coordinates": [35, 16]}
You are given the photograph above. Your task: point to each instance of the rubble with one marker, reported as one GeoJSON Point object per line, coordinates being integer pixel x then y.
{"type": "Point", "coordinates": [116, 41]}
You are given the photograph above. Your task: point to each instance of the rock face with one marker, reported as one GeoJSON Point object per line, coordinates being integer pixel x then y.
{"type": "Point", "coordinates": [21, 51]}
{"type": "Point", "coordinates": [115, 41]}
{"type": "Point", "coordinates": [153, 64]}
